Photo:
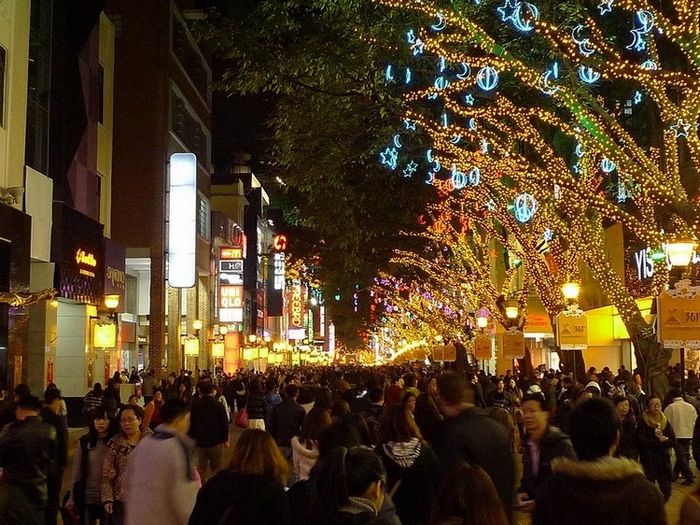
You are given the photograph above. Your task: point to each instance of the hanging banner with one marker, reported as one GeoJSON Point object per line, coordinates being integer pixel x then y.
{"type": "Point", "coordinates": [572, 330]}
{"type": "Point", "coordinates": [679, 316]}
{"type": "Point", "coordinates": [439, 354]}
{"type": "Point", "coordinates": [449, 353]}
{"type": "Point", "coordinates": [482, 347]}
{"type": "Point", "coordinates": [513, 344]}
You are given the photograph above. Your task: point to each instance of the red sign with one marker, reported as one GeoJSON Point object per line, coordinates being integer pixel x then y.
{"type": "Point", "coordinates": [231, 253]}
{"type": "Point", "coordinates": [49, 371]}
{"type": "Point", "coordinates": [279, 243]}
{"type": "Point", "coordinates": [230, 296]}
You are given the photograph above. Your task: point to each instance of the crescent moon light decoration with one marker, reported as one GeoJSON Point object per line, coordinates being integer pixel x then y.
{"type": "Point", "coordinates": [588, 74]}
{"type": "Point", "coordinates": [466, 71]}
{"type": "Point", "coordinates": [584, 44]}
{"type": "Point", "coordinates": [440, 24]}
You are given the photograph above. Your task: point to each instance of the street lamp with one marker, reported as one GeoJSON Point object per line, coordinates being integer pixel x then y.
{"type": "Point", "coordinates": [197, 326]}
{"type": "Point", "coordinates": [680, 252]}
{"type": "Point", "coordinates": [512, 310]}
{"type": "Point", "coordinates": [223, 330]}
{"type": "Point", "coordinates": [482, 318]}
{"type": "Point", "coordinates": [571, 290]}
{"type": "Point", "coordinates": [252, 338]}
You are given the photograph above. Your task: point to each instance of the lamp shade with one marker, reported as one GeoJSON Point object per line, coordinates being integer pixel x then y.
{"type": "Point", "coordinates": [571, 290]}
{"type": "Point", "coordinates": [112, 302]}
{"type": "Point", "coordinates": [197, 324]}
{"type": "Point", "coordinates": [680, 253]}
{"type": "Point", "coordinates": [511, 310]}
{"type": "Point", "coordinates": [223, 329]}
{"type": "Point", "coordinates": [217, 349]}
{"type": "Point", "coordinates": [250, 353]}
{"type": "Point", "coordinates": [191, 346]}
{"type": "Point", "coordinates": [482, 318]}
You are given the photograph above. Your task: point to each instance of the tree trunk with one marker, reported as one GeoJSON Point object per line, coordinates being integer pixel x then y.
{"type": "Point", "coordinates": [526, 366]}
{"type": "Point", "coordinates": [573, 361]}
{"type": "Point", "coordinates": [652, 360]}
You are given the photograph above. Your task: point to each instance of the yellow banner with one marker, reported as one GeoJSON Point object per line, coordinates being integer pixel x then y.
{"type": "Point", "coordinates": [513, 344]}
{"type": "Point", "coordinates": [482, 347]}
{"type": "Point", "coordinates": [679, 318]}
{"type": "Point", "coordinates": [572, 330]}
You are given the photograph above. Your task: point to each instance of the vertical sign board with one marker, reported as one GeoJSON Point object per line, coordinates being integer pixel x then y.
{"type": "Point", "coordinates": [513, 344]}
{"type": "Point", "coordinates": [572, 330]}
{"type": "Point", "coordinates": [275, 290]}
{"type": "Point", "coordinates": [679, 317]}
{"type": "Point", "coordinates": [231, 291]}
{"type": "Point", "coordinates": [297, 329]}
{"type": "Point", "coordinates": [182, 220]}
{"type": "Point", "coordinates": [482, 347]}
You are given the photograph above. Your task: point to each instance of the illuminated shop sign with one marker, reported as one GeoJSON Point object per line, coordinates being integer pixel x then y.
{"type": "Point", "coordinates": [230, 296]}
{"type": "Point", "coordinates": [278, 271]}
{"type": "Point", "coordinates": [83, 259]}
{"type": "Point", "coordinates": [182, 220]}
{"type": "Point", "coordinates": [296, 307]}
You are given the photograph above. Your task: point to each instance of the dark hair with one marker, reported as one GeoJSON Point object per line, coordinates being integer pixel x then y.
{"type": "Point", "coordinates": [173, 409]}
{"type": "Point", "coordinates": [454, 388]}
{"type": "Point", "coordinates": [29, 402]}
{"type": "Point", "coordinates": [51, 395]}
{"type": "Point", "coordinates": [291, 390]}
{"type": "Point", "coordinates": [467, 492]}
{"type": "Point", "coordinates": [538, 397]}
{"type": "Point", "coordinates": [675, 392]}
{"type": "Point", "coordinates": [270, 385]}
{"type": "Point", "coordinates": [339, 434]}
{"type": "Point", "coordinates": [425, 404]}
{"type": "Point", "coordinates": [619, 398]}
{"type": "Point", "coordinates": [376, 394]}
{"type": "Point", "coordinates": [647, 402]}
{"type": "Point", "coordinates": [97, 387]}
{"type": "Point", "coordinates": [137, 410]}
{"type": "Point", "coordinates": [407, 396]}
{"type": "Point", "coordinates": [22, 390]}
{"type": "Point", "coordinates": [99, 413]}
{"type": "Point", "coordinates": [340, 408]}
{"type": "Point", "coordinates": [359, 423]}
{"type": "Point", "coordinates": [397, 425]}
{"type": "Point", "coordinates": [315, 421]}
{"type": "Point", "coordinates": [207, 389]}
{"type": "Point", "coordinates": [409, 380]}
{"type": "Point", "coordinates": [593, 428]}
{"type": "Point", "coordinates": [324, 398]}
{"type": "Point", "coordinates": [254, 386]}
{"type": "Point", "coordinates": [346, 473]}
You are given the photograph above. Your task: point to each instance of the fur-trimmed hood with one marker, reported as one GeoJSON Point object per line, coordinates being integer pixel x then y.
{"type": "Point", "coordinates": [604, 469]}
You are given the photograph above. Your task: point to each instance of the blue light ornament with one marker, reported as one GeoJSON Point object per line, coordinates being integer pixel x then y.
{"type": "Point", "coordinates": [487, 78]}
{"type": "Point", "coordinates": [524, 207]}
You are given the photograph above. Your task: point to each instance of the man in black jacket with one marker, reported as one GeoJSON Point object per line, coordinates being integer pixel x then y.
{"type": "Point", "coordinates": [542, 443]}
{"type": "Point", "coordinates": [209, 429]}
{"type": "Point", "coordinates": [27, 453]}
{"type": "Point", "coordinates": [285, 423]}
{"type": "Point", "coordinates": [467, 434]}
{"type": "Point", "coordinates": [49, 413]}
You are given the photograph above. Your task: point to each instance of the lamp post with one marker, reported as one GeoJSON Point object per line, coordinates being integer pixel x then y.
{"type": "Point", "coordinates": [680, 253]}
{"type": "Point", "coordinates": [571, 291]}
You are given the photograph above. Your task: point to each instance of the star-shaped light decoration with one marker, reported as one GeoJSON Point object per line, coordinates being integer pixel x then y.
{"type": "Point", "coordinates": [469, 99]}
{"type": "Point", "coordinates": [484, 147]}
{"type": "Point", "coordinates": [410, 169]}
{"type": "Point", "coordinates": [410, 124]}
{"type": "Point", "coordinates": [509, 10]}
{"type": "Point", "coordinates": [548, 235]}
{"type": "Point", "coordinates": [490, 205]}
{"type": "Point", "coordinates": [637, 97]}
{"type": "Point", "coordinates": [605, 6]}
{"type": "Point", "coordinates": [389, 157]}
{"type": "Point", "coordinates": [681, 128]}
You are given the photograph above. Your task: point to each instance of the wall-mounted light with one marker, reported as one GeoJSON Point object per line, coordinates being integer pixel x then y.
{"type": "Point", "coordinates": [223, 329]}
{"type": "Point", "coordinates": [252, 338]}
{"type": "Point", "coordinates": [217, 349]}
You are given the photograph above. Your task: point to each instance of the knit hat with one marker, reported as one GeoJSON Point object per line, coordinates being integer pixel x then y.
{"type": "Point", "coordinates": [593, 385]}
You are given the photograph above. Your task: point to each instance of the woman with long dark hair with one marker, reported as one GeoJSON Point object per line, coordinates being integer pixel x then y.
{"type": "Point", "coordinates": [628, 436]}
{"type": "Point", "coordinates": [86, 482]}
{"type": "Point", "coordinates": [305, 446]}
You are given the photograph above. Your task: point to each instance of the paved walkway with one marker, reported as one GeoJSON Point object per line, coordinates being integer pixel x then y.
{"type": "Point", "coordinates": [673, 507]}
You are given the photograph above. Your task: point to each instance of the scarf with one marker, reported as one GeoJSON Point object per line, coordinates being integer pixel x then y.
{"type": "Point", "coordinates": [404, 454]}
{"type": "Point", "coordinates": [358, 505]}
{"type": "Point", "coordinates": [659, 421]}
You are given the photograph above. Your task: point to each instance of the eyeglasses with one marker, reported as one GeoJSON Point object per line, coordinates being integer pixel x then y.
{"type": "Point", "coordinates": [128, 419]}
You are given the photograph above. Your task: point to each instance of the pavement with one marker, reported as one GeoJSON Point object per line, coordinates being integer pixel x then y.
{"type": "Point", "coordinates": [673, 507]}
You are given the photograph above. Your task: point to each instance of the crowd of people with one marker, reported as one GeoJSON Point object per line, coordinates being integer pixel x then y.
{"type": "Point", "coordinates": [354, 446]}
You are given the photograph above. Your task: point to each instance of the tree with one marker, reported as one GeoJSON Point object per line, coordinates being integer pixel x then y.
{"type": "Point", "coordinates": [594, 123]}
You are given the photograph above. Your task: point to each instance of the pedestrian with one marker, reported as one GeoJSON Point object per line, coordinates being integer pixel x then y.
{"type": "Point", "coordinates": [628, 434]}
{"type": "Point", "coordinates": [682, 416]}
{"type": "Point", "coordinates": [161, 484]}
{"type": "Point", "coordinates": [50, 413]}
{"type": "Point", "coordinates": [86, 482]}
{"type": "Point", "coordinates": [467, 435]}
{"type": "Point", "coordinates": [151, 413]}
{"type": "Point", "coordinates": [690, 510]}
{"type": "Point", "coordinates": [148, 386]}
{"type": "Point", "coordinates": [27, 454]}
{"type": "Point", "coordinates": [598, 488]}
{"type": "Point", "coordinates": [255, 405]}
{"type": "Point", "coordinates": [285, 423]}
{"type": "Point", "coordinates": [93, 399]}
{"type": "Point", "coordinates": [467, 496]}
{"type": "Point", "coordinates": [210, 430]}
{"type": "Point", "coordinates": [250, 491]}
{"type": "Point", "coordinates": [656, 438]}
{"type": "Point", "coordinates": [305, 446]}
{"type": "Point", "coordinates": [116, 460]}
{"type": "Point", "coordinates": [7, 415]}
{"type": "Point", "coordinates": [542, 443]}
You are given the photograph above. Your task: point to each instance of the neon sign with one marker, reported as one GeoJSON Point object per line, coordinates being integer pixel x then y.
{"type": "Point", "coordinates": [83, 257]}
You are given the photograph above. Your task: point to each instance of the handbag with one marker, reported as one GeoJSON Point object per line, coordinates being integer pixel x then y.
{"type": "Point", "coordinates": [242, 418]}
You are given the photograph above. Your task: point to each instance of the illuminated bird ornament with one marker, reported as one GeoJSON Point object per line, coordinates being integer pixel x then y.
{"type": "Point", "coordinates": [389, 157]}
{"type": "Point", "coordinates": [410, 169]}
{"type": "Point", "coordinates": [588, 75]}
{"type": "Point", "coordinates": [524, 207]}
{"type": "Point", "coordinates": [487, 78]}
{"type": "Point", "coordinates": [605, 7]}
{"type": "Point", "coordinates": [465, 71]}
{"type": "Point", "coordinates": [584, 44]}
{"type": "Point", "coordinates": [441, 22]}
{"type": "Point", "coordinates": [607, 165]}
{"type": "Point", "coordinates": [681, 128]}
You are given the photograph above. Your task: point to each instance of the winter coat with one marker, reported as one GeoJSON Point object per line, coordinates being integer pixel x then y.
{"type": "Point", "coordinates": [607, 491]}
{"type": "Point", "coordinates": [208, 423]}
{"type": "Point", "coordinates": [285, 421]}
{"type": "Point", "coordinates": [160, 485]}
{"type": "Point", "coordinates": [628, 447]}
{"type": "Point", "coordinates": [253, 500]}
{"type": "Point", "coordinates": [27, 452]}
{"type": "Point", "coordinates": [256, 405]}
{"type": "Point", "coordinates": [417, 467]}
{"type": "Point", "coordinates": [114, 467]}
{"type": "Point", "coordinates": [303, 458]}
{"type": "Point", "coordinates": [654, 455]}
{"type": "Point", "coordinates": [480, 440]}
{"type": "Point", "coordinates": [554, 444]}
